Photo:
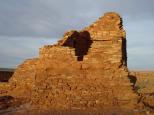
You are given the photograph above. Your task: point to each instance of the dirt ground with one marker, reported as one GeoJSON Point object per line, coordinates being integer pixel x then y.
{"type": "Point", "coordinates": [144, 86]}
{"type": "Point", "coordinates": [144, 81]}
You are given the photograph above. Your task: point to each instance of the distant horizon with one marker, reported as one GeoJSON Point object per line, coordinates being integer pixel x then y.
{"type": "Point", "coordinates": [7, 69]}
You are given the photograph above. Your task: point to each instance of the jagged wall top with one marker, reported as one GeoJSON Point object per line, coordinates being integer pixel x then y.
{"type": "Point", "coordinates": [105, 38]}
{"type": "Point", "coordinates": [110, 21]}
{"type": "Point", "coordinates": [106, 27]}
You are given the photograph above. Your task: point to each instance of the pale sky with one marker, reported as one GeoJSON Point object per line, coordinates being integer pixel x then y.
{"type": "Point", "coordinates": [27, 25]}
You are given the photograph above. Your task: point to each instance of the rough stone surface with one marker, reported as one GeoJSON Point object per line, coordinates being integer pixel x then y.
{"type": "Point", "coordinates": [85, 69]}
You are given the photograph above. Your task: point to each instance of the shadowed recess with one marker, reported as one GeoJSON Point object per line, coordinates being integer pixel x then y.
{"type": "Point", "coordinates": [81, 41]}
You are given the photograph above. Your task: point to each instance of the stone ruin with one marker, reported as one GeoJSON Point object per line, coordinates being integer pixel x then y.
{"type": "Point", "coordinates": [86, 69]}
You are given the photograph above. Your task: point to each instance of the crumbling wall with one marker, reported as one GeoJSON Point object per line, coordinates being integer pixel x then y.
{"type": "Point", "coordinates": [109, 41]}
{"type": "Point", "coordinates": [106, 44]}
{"type": "Point", "coordinates": [86, 69]}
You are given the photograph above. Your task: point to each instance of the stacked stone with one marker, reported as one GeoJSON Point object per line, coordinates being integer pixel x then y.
{"type": "Point", "coordinates": [22, 81]}
{"type": "Point", "coordinates": [83, 90]}
{"type": "Point", "coordinates": [109, 42]}
{"type": "Point", "coordinates": [86, 69]}
{"type": "Point", "coordinates": [53, 52]}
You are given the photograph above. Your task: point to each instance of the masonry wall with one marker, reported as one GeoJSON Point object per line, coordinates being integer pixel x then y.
{"type": "Point", "coordinates": [109, 41]}
{"type": "Point", "coordinates": [85, 69]}
{"type": "Point", "coordinates": [107, 44]}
